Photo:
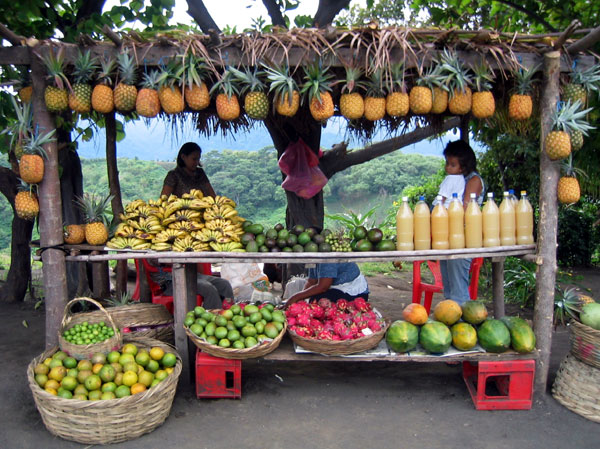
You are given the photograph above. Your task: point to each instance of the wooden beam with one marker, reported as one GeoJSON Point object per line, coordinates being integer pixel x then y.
{"type": "Point", "coordinates": [547, 225]}
{"type": "Point", "coordinates": [498, 286]}
{"type": "Point", "coordinates": [112, 35]}
{"type": "Point", "coordinates": [11, 37]}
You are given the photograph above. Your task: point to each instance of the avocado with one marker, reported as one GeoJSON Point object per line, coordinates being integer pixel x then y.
{"type": "Point", "coordinates": [281, 242]}
{"type": "Point", "coordinates": [311, 232]}
{"type": "Point", "coordinates": [318, 239]}
{"type": "Point", "coordinates": [298, 248]}
{"type": "Point", "coordinates": [263, 249]}
{"type": "Point", "coordinates": [360, 232]}
{"type": "Point", "coordinates": [364, 245]}
{"type": "Point", "coordinates": [292, 239]}
{"type": "Point", "coordinates": [385, 245]}
{"type": "Point", "coordinates": [298, 229]}
{"type": "Point", "coordinates": [325, 232]}
{"type": "Point", "coordinates": [252, 247]}
{"type": "Point", "coordinates": [311, 247]}
{"type": "Point", "coordinates": [275, 249]}
{"type": "Point", "coordinates": [283, 234]}
{"type": "Point", "coordinates": [260, 239]}
{"type": "Point", "coordinates": [353, 245]}
{"type": "Point", "coordinates": [246, 224]}
{"type": "Point", "coordinates": [279, 227]}
{"type": "Point", "coordinates": [255, 228]}
{"type": "Point", "coordinates": [270, 243]}
{"type": "Point", "coordinates": [324, 247]}
{"type": "Point", "coordinates": [246, 238]}
{"type": "Point", "coordinates": [303, 238]}
{"type": "Point", "coordinates": [286, 249]}
{"type": "Point", "coordinates": [375, 235]}
{"type": "Point", "coordinates": [271, 234]}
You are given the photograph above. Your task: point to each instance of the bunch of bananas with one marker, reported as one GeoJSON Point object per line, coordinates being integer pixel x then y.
{"type": "Point", "coordinates": [191, 222]}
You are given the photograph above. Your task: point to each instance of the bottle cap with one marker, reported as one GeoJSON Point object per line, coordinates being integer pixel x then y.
{"type": "Point", "coordinates": [421, 198]}
{"type": "Point", "coordinates": [505, 193]}
{"type": "Point", "coordinates": [523, 192]}
{"type": "Point", "coordinates": [490, 195]}
{"type": "Point", "coordinates": [455, 195]}
{"type": "Point", "coordinates": [404, 198]}
{"type": "Point", "coordinates": [439, 197]}
{"type": "Point", "coordinates": [473, 196]}
{"type": "Point", "coordinates": [511, 191]}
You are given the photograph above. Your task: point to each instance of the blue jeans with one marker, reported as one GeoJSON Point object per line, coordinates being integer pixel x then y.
{"type": "Point", "coordinates": [455, 277]}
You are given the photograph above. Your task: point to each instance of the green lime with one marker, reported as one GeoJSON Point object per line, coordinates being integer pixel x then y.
{"type": "Point", "coordinates": [224, 343]}
{"type": "Point", "coordinates": [233, 335]}
{"type": "Point", "coordinates": [220, 332]}
{"type": "Point", "coordinates": [238, 344]}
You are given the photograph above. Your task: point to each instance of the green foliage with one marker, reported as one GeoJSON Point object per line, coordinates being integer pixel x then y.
{"type": "Point", "coordinates": [429, 187]}
{"type": "Point", "coordinates": [519, 281]}
{"type": "Point", "coordinates": [578, 238]}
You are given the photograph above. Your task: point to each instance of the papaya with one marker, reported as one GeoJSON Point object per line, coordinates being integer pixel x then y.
{"type": "Point", "coordinates": [494, 336]}
{"type": "Point", "coordinates": [415, 313]}
{"type": "Point", "coordinates": [590, 315]}
{"type": "Point", "coordinates": [435, 337]}
{"type": "Point", "coordinates": [474, 312]}
{"type": "Point", "coordinates": [464, 336]}
{"type": "Point", "coordinates": [447, 311]}
{"type": "Point", "coordinates": [402, 336]}
{"type": "Point", "coordinates": [522, 338]}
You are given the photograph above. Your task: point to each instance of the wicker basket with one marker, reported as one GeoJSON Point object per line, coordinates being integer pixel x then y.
{"type": "Point", "coordinates": [145, 320]}
{"type": "Point", "coordinates": [108, 421]}
{"type": "Point", "coordinates": [577, 387]}
{"type": "Point", "coordinates": [230, 353]}
{"type": "Point", "coordinates": [85, 351]}
{"type": "Point", "coordinates": [585, 343]}
{"type": "Point", "coordinates": [345, 347]}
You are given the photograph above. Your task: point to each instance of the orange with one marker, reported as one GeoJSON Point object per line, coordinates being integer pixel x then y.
{"type": "Point", "coordinates": [94, 395]}
{"type": "Point", "coordinates": [130, 366]}
{"type": "Point", "coordinates": [161, 374]}
{"type": "Point", "coordinates": [138, 388]}
{"type": "Point", "coordinates": [129, 348]}
{"type": "Point", "coordinates": [97, 367]}
{"type": "Point", "coordinates": [169, 359]}
{"type": "Point", "coordinates": [146, 378]}
{"type": "Point", "coordinates": [108, 395]}
{"type": "Point", "coordinates": [152, 366]}
{"type": "Point", "coordinates": [130, 378]}
{"type": "Point", "coordinates": [92, 382]}
{"type": "Point", "coordinates": [47, 361]}
{"type": "Point", "coordinates": [57, 373]}
{"type": "Point", "coordinates": [156, 353]}
{"type": "Point", "coordinates": [126, 358]}
{"type": "Point", "coordinates": [119, 379]}
{"type": "Point", "coordinates": [80, 390]}
{"type": "Point", "coordinates": [52, 384]}
{"type": "Point", "coordinates": [108, 386]}
{"type": "Point", "coordinates": [82, 375]}
{"type": "Point", "coordinates": [169, 370]}
{"type": "Point", "coordinates": [142, 358]}
{"type": "Point", "coordinates": [84, 365]}
{"type": "Point", "coordinates": [41, 379]}
{"type": "Point", "coordinates": [41, 369]}
{"type": "Point", "coordinates": [51, 391]}
{"type": "Point", "coordinates": [68, 383]}
{"type": "Point", "coordinates": [122, 391]}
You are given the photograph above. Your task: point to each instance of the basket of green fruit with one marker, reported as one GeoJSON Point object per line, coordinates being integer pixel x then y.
{"type": "Point", "coordinates": [240, 332]}
{"type": "Point", "coordinates": [80, 337]}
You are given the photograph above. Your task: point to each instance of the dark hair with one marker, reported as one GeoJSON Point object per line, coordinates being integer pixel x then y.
{"type": "Point", "coordinates": [465, 154]}
{"type": "Point", "coordinates": [186, 149]}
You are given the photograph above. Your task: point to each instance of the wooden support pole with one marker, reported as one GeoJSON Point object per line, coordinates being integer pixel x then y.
{"type": "Point", "coordinates": [498, 286]}
{"type": "Point", "coordinates": [50, 219]}
{"type": "Point", "coordinates": [184, 297]}
{"type": "Point", "coordinates": [547, 226]}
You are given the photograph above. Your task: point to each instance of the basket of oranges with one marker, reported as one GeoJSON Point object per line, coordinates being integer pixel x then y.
{"type": "Point", "coordinates": [108, 398]}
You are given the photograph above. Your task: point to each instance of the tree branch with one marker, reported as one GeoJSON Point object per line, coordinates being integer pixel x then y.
{"type": "Point", "coordinates": [585, 42]}
{"type": "Point", "coordinates": [200, 14]}
{"type": "Point", "coordinates": [565, 35]}
{"type": "Point", "coordinates": [11, 37]}
{"type": "Point", "coordinates": [274, 13]}
{"type": "Point", "coordinates": [88, 8]}
{"type": "Point", "coordinates": [327, 11]}
{"type": "Point", "coordinates": [338, 159]}
{"type": "Point", "coordinates": [528, 13]}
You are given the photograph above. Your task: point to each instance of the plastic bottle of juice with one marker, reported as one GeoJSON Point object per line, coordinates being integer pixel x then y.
{"type": "Point", "coordinates": [524, 215]}
{"type": "Point", "coordinates": [456, 223]}
{"type": "Point", "coordinates": [404, 227]}
{"type": "Point", "coordinates": [491, 222]}
{"type": "Point", "coordinates": [473, 224]}
{"type": "Point", "coordinates": [439, 225]}
{"type": "Point", "coordinates": [422, 225]}
{"type": "Point", "coordinates": [513, 198]}
{"type": "Point", "coordinates": [508, 224]}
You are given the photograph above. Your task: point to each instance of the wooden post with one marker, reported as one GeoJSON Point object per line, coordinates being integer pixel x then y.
{"type": "Point", "coordinates": [184, 299]}
{"type": "Point", "coordinates": [547, 226]}
{"type": "Point", "coordinates": [50, 219]}
{"type": "Point", "coordinates": [498, 286]}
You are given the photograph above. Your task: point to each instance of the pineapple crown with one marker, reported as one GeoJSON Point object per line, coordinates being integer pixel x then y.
{"type": "Point", "coordinates": [83, 67]}
{"type": "Point", "coordinates": [127, 68]}
{"type": "Point", "coordinates": [36, 141]}
{"type": "Point", "coordinates": [249, 79]}
{"type": "Point", "coordinates": [524, 79]}
{"type": "Point", "coordinates": [396, 80]}
{"type": "Point", "coordinates": [24, 187]}
{"type": "Point", "coordinates": [569, 117]}
{"type": "Point", "coordinates": [317, 81]}
{"type": "Point", "coordinates": [227, 84]}
{"type": "Point", "coordinates": [566, 305]}
{"type": "Point", "coordinates": [171, 74]}
{"type": "Point", "coordinates": [456, 74]}
{"type": "Point", "coordinates": [352, 84]}
{"type": "Point", "coordinates": [432, 77]}
{"type": "Point", "coordinates": [483, 77]}
{"type": "Point", "coordinates": [589, 78]}
{"type": "Point", "coordinates": [194, 71]}
{"type": "Point", "coordinates": [94, 207]}
{"type": "Point", "coordinates": [570, 170]}
{"type": "Point", "coordinates": [107, 67]}
{"type": "Point", "coordinates": [19, 129]}
{"type": "Point", "coordinates": [150, 79]}
{"type": "Point", "coordinates": [55, 64]}
{"type": "Point", "coordinates": [375, 84]}
{"type": "Point", "coordinates": [281, 81]}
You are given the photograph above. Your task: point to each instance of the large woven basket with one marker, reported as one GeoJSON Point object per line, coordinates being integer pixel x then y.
{"type": "Point", "coordinates": [107, 421]}
{"type": "Point", "coordinates": [259, 350]}
{"type": "Point", "coordinates": [85, 351]}
{"type": "Point", "coordinates": [142, 319]}
{"type": "Point", "coordinates": [344, 347]}
{"type": "Point", "coordinates": [577, 387]}
{"type": "Point", "coordinates": [585, 343]}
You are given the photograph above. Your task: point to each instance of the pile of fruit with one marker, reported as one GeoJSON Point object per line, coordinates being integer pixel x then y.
{"type": "Point", "coordinates": [239, 327]}
{"type": "Point", "coordinates": [131, 370]}
{"type": "Point", "coordinates": [335, 321]}
{"type": "Point", "coordinates": [190, 223]}
{"type": "Point", "coordinates": [88, 334]}
{"type": "Point", "coordinates": [569, 304]}
{"type": "Point", "coordinates": [436, 335]}
{"type": "Point", "coordinates": [370, 240]}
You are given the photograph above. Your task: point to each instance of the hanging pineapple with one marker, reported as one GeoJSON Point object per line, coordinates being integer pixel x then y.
{"type": "Point", "coordinates": [583, 82]}
{"type": "Point", "coordinates": [352, 104]}
{"type": "Point", "coordinates": [396, 102]}
{"type": "Point", "coordinates": [94, 212]}
{"type": "Point", "coordinates": [421, 95]}
{"type": "Point", "coordinates": [73, 234]}
{"type": "Point", "coordinates": [21, 128]}
{"type": "Point", "coordinates": [375, 97]}
{"type": "Point", "coordinates": [147, 103]}
{"type": "Point", "coordinates": [102, 95]}
{"type": "Point", "coordinates": [26, 203]}
{"type": "Point", "coordinates": [568, 190]}
{"type": "Point", "coordinates": [80, 97]}
{"type": "Point", "coordinates": [256, 103]}
{"type": "Point", "coordinates": [125, 92]}
{"type": "Point", "coordinates": [25, 90]}
{"type": "Point", "coordinates": [228, 105]}
{"type": "Point", "coordinates": [439, 90]}
{"type": "Point", "coordinates": [169, 93]}
{"type": "Point", "coordinates": [484, 104]}
{"type": "Point", "coordinates": [565, 119]}
{"type": "Point", "coordinates": [287, 97]}
{"type": "Point", "coordinates": [520, 104]}
{"type": "Point", "coordinates": [458, 81]}
{"type": "Point", "coordinates": [318, 89]}
{"type": "Point", "coordinates": [31, 164]}
{"type": "Point", "coordinates": [195, 91]}
{"type": "Point", "coordinates": [55, 95]}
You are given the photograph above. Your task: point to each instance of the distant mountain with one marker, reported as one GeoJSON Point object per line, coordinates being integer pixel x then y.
{"type": "Point", "coordinates": [161, 142]}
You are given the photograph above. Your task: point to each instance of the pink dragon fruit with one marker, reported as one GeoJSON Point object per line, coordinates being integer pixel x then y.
{"type": "Point", "coordinates": [342, 304]}
{"type": "Point", "coordinates": [316, 326]}
{"type": "Point", "coordinates": [362, 305]}
{"type": "Point", "coordinates": [374, 325]}
{"type": "Point", "coordinates": [295, 309]}
{"type": "Point", "coordinates": [336, 337]}
{"type": "Point", "coordinates": [303, 320]}
{"type": "Point", "coordinates": [331, 313]}
{"type": "Point", "coordinates": [317, 311]}
{"type": "Point", "coordinates": [341, 330]}
{"type": "Point", "coordinates": [324, 335]}
{"type": "Point", "coordinates": [291, 320]}
{"type": "Point", "coordinates": [328, 326]}
{"type": "Point", "coordinates": [324, 303]}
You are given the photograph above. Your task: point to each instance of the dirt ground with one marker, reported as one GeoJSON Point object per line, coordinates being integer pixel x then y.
{"type": "Point", "coordinates": [317, 404]}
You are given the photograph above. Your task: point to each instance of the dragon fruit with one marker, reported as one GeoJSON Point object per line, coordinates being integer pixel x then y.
{"type": "Point", "coordinates": [295, 309]}
{"type": "Point", "coordinates": [324, 303]}
{"type": "Point", "coordinates": [317, 311]}
{"type": "Point", "coordinates": [362, 305]}
{"type": "Point", "coordinates": [342, 304]}
{"type": "Point", "coordinates": [292, 321]}
{"type": "Point", "coordinates": [330, 313]}
{"type": "Point", "coordinates": [303, 320]}
{"type": "Point", "coordinates": [324, 335]}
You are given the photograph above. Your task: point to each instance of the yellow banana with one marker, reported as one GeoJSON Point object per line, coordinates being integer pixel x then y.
{"type": "Point", "coordinates": [161, 246]}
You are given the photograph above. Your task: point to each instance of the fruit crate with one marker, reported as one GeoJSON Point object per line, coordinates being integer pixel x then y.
{"type": "Point", "coordinates": [217, 377]}
{"type": "Point", "coordinates": [106, 421]}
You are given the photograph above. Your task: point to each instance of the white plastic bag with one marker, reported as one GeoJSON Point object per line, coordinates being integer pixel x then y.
{"type": "Point", "coordinates": [241, 276]}
{"type": "Point", "coordinates": [294, 285]}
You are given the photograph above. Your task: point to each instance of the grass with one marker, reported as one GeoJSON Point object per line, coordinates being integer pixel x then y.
{"type": "Point", "coordinates": [385, 268]}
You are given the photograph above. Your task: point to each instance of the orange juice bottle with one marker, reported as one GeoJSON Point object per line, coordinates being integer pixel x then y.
{"type": "Point", "coordinates": [491, 222]}
{"type": "Point", "coordinates": [456, 223]}
{"type": "Point", "coordinates": [404, 227]}
{"type": "Point", "coordinates": [524, 220]}
{"type": "Point", "coordinates": [439, 225]}
{"type": "Point", "coordinates": [473, 224]}
{"type": "Point", "coordinates": [422, 225]}
{"type": "Point", "coordinates": [508, 224]}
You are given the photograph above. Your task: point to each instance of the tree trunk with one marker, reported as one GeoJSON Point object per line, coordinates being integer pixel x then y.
{"type": "Point", "coordinates": [547, 226]}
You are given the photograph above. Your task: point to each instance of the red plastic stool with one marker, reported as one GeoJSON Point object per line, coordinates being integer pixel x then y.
{"type": "Point", "coordinates": [514, 381]}
{"type": "Point", "coordinates": [217, 377]}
